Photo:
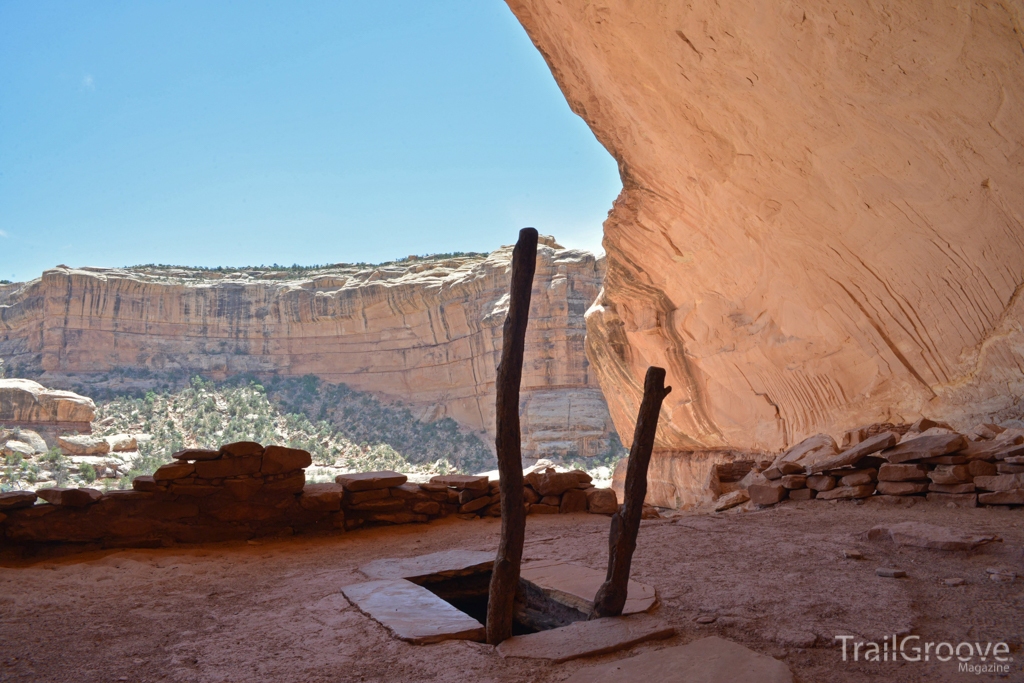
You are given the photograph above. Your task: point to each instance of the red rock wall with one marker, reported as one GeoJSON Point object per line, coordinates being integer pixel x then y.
{"type": "Point", "coordinates": [821, 217]}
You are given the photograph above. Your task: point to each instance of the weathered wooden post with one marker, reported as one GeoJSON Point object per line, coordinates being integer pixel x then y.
{"type": "Point", "coordinates": [505, 577]}
{"type": "Point", "coordinates": [611, 596]}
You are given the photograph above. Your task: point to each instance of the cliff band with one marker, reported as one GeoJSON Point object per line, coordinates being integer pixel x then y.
{"type": "Point", "coordinates": [426, 332]}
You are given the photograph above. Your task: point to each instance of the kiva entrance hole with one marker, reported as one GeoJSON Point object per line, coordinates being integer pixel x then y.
{"type": "Point", "coordinates": [534, 610]}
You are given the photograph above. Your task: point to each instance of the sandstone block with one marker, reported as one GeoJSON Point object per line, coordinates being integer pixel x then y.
{"type": "Point", "coordinates": [1013, 497]}
{"type": "Point", "coordinates": [531, 496]}
{"type": "Point", "coordinates": [1004, 468]}
{"type": "Point", "coordinates": [432, 487]}
{"type": "Point", "coordinates": [466, 495]}
{"type": "Point", "coordinates": [821, 482]}
{"type": "Point", "coordinates": [552, 483]}
{"type": "Point", "coordinates": [981, 468]}
{"type": "Point", "coordinates": [1001, 482]}
{"type": "Point", "coordinates": [811, 449]}
{"type": "Point", "coordinates": [1009, 452]}
{"type": "Point", "coordinates": [14, 500]}
{"type": "Point", "coordinates": [573, 500]}
{"type": "Point", "coordinates": [954, 459]}
{"type": "Point", "coordinates": [794, 481]}
{"type": "Point", "coordinates": [413, 492]}
{"type": "Point", "coordinates": [174, 470]}
{"type": "Point", "coordinates": [492, 510]}
{"type": "Point", "coordinates": [120, 443]}
{"type": "Point", "coordinates": [582, 477]}
{"type": "Point", "coordinates": [923, 535]}
{"type": "Point", "coordinates": [801, 494]}
{"type": "Point", "coordinates": [233, 466]}
{"type": "Point", "coordinates": [461, 481]}
{"type": "Point", "coordinates": [952, 488]}
{"type": "Point", "coordinates": [13, 447]}
{"type": "Point", "coordinates": [858, 479]}
{"type": "Point", "coordinates": [790, 468]}
{"type": "Point", "coordinates": [322, 497]}
{"type": "Point", "coordinates": [925, 447]}
{"type": "Point", "coordinates": [365, 481]}
{"type": "Point", "coordinates": [903, 472]}
{"type": "Point", "coordinates": [196, 454]}
{"type": "Point", "coordinates": [145, 483]}
{"type": "Point", "coordinates": [962, 500]}
{"type": "Point", "coordinates": [950, 474]}
{"type": "Point", "coordinates": [854, 454]}
{"type": "Point", "coordinates": [475, 505]}
{"type": "Point", "coordinates": [278, 459]}
{"type": "Point", "coordinates": [72, 498]}
{"type": "Point", "coordinates": [541, 509]}
{"type": "Point", "coordinates": [428, 507]}
{"type": "Point", "coordinates": [986, 431]}
{"type": "Point", "coordinates": [241, 449]}
{"type": "Point", "coordinates": [380, 505]}
{"type": "Point", "coordinates": [602, 501]}
{"type": "Point", "coordinates": [242, 489]}
{"type": "Point", "coordinates": [846, 492]}
{"type": "Point", "coordinates": [285, 484]}
{"type": "Point", "coordinates": [773, 473]}
{"type": "Point", "coordinates": [901, 488]}
{"type": "Point", "coordinates": [767, 494]}
{"type": "Point", "coordinates": [357, 497]}
{"type": "Point", "coordinates": [83, 444]}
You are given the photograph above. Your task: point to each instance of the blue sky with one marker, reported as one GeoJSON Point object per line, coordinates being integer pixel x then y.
{"type": "Point", "coordinates": [240, 133]}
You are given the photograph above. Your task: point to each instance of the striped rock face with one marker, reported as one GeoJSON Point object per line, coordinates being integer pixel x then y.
{"type": "Point", "coordinates": [811, 236]}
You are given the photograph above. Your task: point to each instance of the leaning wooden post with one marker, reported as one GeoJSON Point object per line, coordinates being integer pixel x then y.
{"type": "Point", "coordinates": [611, 596]}
{"type": "Point", "coordinates": [505, 577]}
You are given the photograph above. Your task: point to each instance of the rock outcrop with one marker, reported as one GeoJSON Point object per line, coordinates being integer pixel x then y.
{"type": "Point", "coordinates": [426, 332]}
{"type": "Point", "coordinates": [24, 403]}
{"type": "Point", "coordinates": [821, 218]}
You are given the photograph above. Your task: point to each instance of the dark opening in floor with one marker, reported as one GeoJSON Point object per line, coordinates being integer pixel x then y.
{"type": "Point", "coordinates": [534, 610]}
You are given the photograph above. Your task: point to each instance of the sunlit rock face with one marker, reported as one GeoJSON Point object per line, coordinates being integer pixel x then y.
{"type": "Point", "coordinates": [821, 220]}
{"type": "Point", "coordinates": [24, 403]}
{"type": "Point", "coordinates": [426, 332]}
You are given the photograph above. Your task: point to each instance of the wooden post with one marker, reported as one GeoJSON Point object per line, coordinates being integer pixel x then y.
{"type": "Point", "coordinates": [505, 577]}
{"type": "Point", "coordinates": [611, 596]}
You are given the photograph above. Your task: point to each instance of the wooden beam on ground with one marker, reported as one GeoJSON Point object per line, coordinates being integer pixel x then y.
{"type": "Point", "coordinates": [611, 596]}
{"type": "Point", "coordinates": [505, 576]}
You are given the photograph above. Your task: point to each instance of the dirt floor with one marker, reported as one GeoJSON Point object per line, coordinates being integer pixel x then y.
{"type": "Point", "coordinates": [775, 579]}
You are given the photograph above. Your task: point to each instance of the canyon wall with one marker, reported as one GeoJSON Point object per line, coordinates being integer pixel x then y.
{"type": "Point", "coordinates": [821, 217]}
{"type": "Point", "coordinates": [426, 332]}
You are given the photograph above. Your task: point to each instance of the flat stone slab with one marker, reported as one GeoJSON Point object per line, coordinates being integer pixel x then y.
{"type": "Point", "coordinates": [413, 613]}
{"type": "Point", "coordinates": [462, 481]}
{"type": "Point", "coordinates": [369, 481]}
{"type": "Point", "coordinates": [447, 564]}
{"type": "Point", "coordinates": [586, 638]}
{"type": "Point", "coordinates": [921, 535]}
{"type": "Point", "coordinates": [708, 660]}
{"type": "Point", "coordinates": [575, 585]}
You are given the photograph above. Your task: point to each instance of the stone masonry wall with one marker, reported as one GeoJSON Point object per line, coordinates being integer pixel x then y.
{"type": "Point", "coordinates": [245, 490]}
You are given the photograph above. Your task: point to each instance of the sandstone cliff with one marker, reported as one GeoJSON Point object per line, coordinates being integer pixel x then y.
{"type": "Point", "coordinates": [24, 403]}
{"type": "Point", "coordinates": [821, 220]}
{"type": "Point", "coordinates": [424, 332]}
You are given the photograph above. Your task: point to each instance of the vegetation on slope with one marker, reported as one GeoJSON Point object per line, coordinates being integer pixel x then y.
{"type": "Point", "coordinates": [352, 430]}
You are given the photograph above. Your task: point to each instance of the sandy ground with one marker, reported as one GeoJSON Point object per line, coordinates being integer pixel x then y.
{"type": "Point", "coordinates": [272, 612]}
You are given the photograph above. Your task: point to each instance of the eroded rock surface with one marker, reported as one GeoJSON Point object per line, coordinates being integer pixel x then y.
{"type": "Point", "coordinates": [820, 224]}
{"type": "Point", "coordinates": [27, 403]}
